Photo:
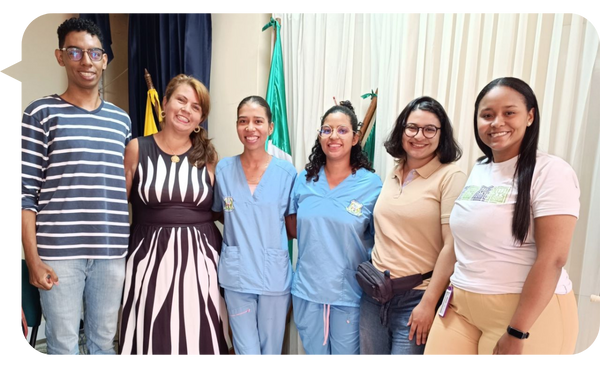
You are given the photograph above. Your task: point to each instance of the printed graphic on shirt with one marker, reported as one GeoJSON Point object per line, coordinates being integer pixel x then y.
{"type": "Point", "coordinates": [228, 204]}
{"type": "Point", "coordinates": [355, 208]}
{"type": "Point", "coordinates": [488, 194]}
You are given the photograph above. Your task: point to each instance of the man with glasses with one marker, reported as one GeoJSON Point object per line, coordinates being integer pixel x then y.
{"type": "Point", "coordinates": [75, 220]}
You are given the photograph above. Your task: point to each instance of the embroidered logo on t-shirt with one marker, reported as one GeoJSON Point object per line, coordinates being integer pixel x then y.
{"type": "Point", "coordinates": [228, 204]}
{"type": "Point", "coordinates": [488, 194]}
{"type": "Point", "coordinates": [355, 208]}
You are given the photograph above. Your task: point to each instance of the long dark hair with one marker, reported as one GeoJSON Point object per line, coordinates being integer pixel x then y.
{"type": "Point", "coordinates": [527, 152]}
{"type": "Point", "coordinates": [317, 158]}
{"type": "Point", "coordinates": [447, 150]}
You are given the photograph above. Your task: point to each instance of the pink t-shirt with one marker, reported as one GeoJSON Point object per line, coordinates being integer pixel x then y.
{"type": "Point", "coordinates": [488, 260]}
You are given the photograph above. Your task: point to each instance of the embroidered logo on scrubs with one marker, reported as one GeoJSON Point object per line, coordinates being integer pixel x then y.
{"type": "Point", "coordinates": [228, 201]}
{"type": "Point", "coordinates": [355, 208]}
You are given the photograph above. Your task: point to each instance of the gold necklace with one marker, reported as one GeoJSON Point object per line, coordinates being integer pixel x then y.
{"type": "Point", "coordinates": [174, 157]}
{"type": "Point", "coordinates": [262, 167]}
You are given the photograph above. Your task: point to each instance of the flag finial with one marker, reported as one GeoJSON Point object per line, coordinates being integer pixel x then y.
{"type": "Point", "coordinates": [272, 23]}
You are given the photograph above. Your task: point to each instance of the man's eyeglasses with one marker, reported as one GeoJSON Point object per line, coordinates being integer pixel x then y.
{"type": "Point", "coordinates": [75, 53]}
{"type": "Point", "coordinates": [429, 131]}
{"type": "Point", "coordinates": [326, 130]}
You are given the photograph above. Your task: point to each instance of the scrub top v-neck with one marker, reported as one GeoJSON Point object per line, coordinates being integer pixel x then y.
{"type": "Point", "coordinates": [335, 234]}
{"type": "Point", "coordinates": [254, 256]}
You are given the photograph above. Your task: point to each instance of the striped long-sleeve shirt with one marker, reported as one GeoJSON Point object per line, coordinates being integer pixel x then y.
{"type": "Point", "coordinates": [73, 178]}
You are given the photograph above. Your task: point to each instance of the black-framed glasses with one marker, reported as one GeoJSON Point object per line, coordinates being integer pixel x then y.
{"type": "Point", "coordinates": [429, 131]}
{"type": "Point", "coordinates": [326, 130]}
{"type": "Point", "coordinates": [75, 53]}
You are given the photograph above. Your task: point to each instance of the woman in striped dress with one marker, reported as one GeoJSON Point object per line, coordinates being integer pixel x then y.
{"type": "Point", "coordinates": [172, 303]}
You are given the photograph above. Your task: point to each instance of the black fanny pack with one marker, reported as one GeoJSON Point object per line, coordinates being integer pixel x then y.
{"type": "Point", "coordinates": [376, 284]}
{"type": "Point", "coordinates": [381, 287]}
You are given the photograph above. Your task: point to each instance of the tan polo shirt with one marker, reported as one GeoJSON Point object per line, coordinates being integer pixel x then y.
{"type": "Point", "coordinates": [408, 231]}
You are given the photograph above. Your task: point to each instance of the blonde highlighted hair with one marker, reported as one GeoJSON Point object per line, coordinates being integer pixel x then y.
{"type": "Point", "coordinates": [203, 152]}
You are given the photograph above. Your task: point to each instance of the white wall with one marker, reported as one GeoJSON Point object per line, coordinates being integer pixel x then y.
{"type": "Point", "coordinates": [115, 81]}
{"type": "Point", "coordinates": [241, 57]}
{"type": "Point", "coordinates": [38, 65]}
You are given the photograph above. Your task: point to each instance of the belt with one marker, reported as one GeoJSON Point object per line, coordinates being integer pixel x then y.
{"type": "Point", "coordinates": [408, 282]}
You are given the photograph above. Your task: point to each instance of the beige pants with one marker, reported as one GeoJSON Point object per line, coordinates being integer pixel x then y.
{"type": "Point", "coordinates": [474, 323]}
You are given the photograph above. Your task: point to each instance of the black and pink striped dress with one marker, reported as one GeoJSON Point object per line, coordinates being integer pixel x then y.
{"type": "Point", "coordinates": [172, 303]}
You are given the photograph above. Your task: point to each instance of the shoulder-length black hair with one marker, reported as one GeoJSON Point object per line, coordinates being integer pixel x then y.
{"type": "Point", "coordinates": [317, 158]}
{"type": "Point", "coordinates": [527, 152]}
{"type": "Point", "coordinates": [447, 151]}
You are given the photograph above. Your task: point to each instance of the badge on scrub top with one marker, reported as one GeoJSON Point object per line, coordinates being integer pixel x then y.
{"type": "Point", "coordinates": [228, 201]}
{"type": "Point", "coordinates": [355, 208]}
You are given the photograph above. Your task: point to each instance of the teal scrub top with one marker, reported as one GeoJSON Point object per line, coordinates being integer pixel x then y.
{"type": "Point", "coordinates": [254, 255]}
{"type": "Point", "coordinates": [335, 234]}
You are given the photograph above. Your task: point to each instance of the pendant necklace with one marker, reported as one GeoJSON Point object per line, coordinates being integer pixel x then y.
{"type": "Point", "coordinates": [174, 157]}
{"type": "Point", "coordinates": [263, 168]}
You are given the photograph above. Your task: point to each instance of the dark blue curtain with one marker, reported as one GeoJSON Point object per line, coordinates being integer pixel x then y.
{"type": "Point", "coordinates": [165, 45]}
{"type": "Point", "coordinates": [103, 22]}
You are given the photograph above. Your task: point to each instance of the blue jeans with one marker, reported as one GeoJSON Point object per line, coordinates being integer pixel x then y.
{"type": "Point", "coordinates": [257, 321]}
{"type": "Point", "coordinates": [97, 286]}
{"type": "Point", "coordinates": [392, 339]}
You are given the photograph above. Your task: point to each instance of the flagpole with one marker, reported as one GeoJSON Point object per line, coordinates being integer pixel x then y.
{"type": "Point", "coordinates": [148, 79]}
{"type": "Point", "coordinates": [365, 129]}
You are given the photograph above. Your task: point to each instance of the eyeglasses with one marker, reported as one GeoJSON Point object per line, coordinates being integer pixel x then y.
{"type": "Point", "coordinates": [75, 53]}
{"type": "Point", "coordinates": [429, 131]}
{"type": "Point", "coordinates": [326, 130]}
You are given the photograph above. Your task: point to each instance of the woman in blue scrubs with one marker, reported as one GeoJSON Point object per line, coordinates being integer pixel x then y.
{"type": "Point", "coordinates": [252, 191]}
{"type": "Point", "coordinates": [332, 205]}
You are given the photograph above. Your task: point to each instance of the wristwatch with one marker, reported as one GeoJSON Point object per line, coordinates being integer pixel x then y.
{"type": "Point", "coordinates": [516, 333]}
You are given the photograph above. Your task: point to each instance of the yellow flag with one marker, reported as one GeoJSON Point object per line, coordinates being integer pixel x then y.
{"type": "Point", "coordinates": [149, 124]}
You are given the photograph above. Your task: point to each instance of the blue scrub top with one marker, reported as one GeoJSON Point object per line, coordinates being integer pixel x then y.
{"type": "Point", "coordinates": [335, 234]}
{"type": "Point", "coordinates": [254, 256]}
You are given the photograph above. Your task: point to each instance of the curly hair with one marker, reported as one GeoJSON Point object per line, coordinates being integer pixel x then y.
{"type": "Point", "coordinates": [78, 25]}
{"type": "Point", "coordinates": [317, 158]}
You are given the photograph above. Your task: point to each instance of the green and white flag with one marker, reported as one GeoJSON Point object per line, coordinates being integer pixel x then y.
{"type": "Point", "coordinates": [278, 143]}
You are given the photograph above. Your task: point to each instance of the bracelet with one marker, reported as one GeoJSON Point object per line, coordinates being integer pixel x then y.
{"type": "Point", "coordinates": [516, 333]}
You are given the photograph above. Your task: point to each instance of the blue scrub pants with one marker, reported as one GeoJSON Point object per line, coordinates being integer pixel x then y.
{"type": "Point", "coordinates": [327, 329]}
{"type": "Point", "coordinates": [257, 321]}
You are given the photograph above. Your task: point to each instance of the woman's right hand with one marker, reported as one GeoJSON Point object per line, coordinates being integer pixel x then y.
{"type": "Point", "coordinates": [420, 322]}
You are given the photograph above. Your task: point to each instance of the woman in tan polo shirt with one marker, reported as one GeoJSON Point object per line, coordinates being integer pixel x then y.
{"type": "Point", "coordinates": [412, 236]}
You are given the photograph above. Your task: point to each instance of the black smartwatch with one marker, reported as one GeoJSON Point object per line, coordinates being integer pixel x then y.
{"type": "Point", "coordinates": [516, 333]}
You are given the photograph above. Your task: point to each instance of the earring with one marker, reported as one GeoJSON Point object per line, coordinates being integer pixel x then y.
{"type": "Point", "coordinates": [162, 114]}
{"type": "Point", "coordinates": [529, 123]}
{"type": "Point", "coordinates": [197, 129]}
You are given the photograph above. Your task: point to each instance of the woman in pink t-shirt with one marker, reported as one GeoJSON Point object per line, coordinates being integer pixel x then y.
{"type": "Point", "coordinates": [512, 228]}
